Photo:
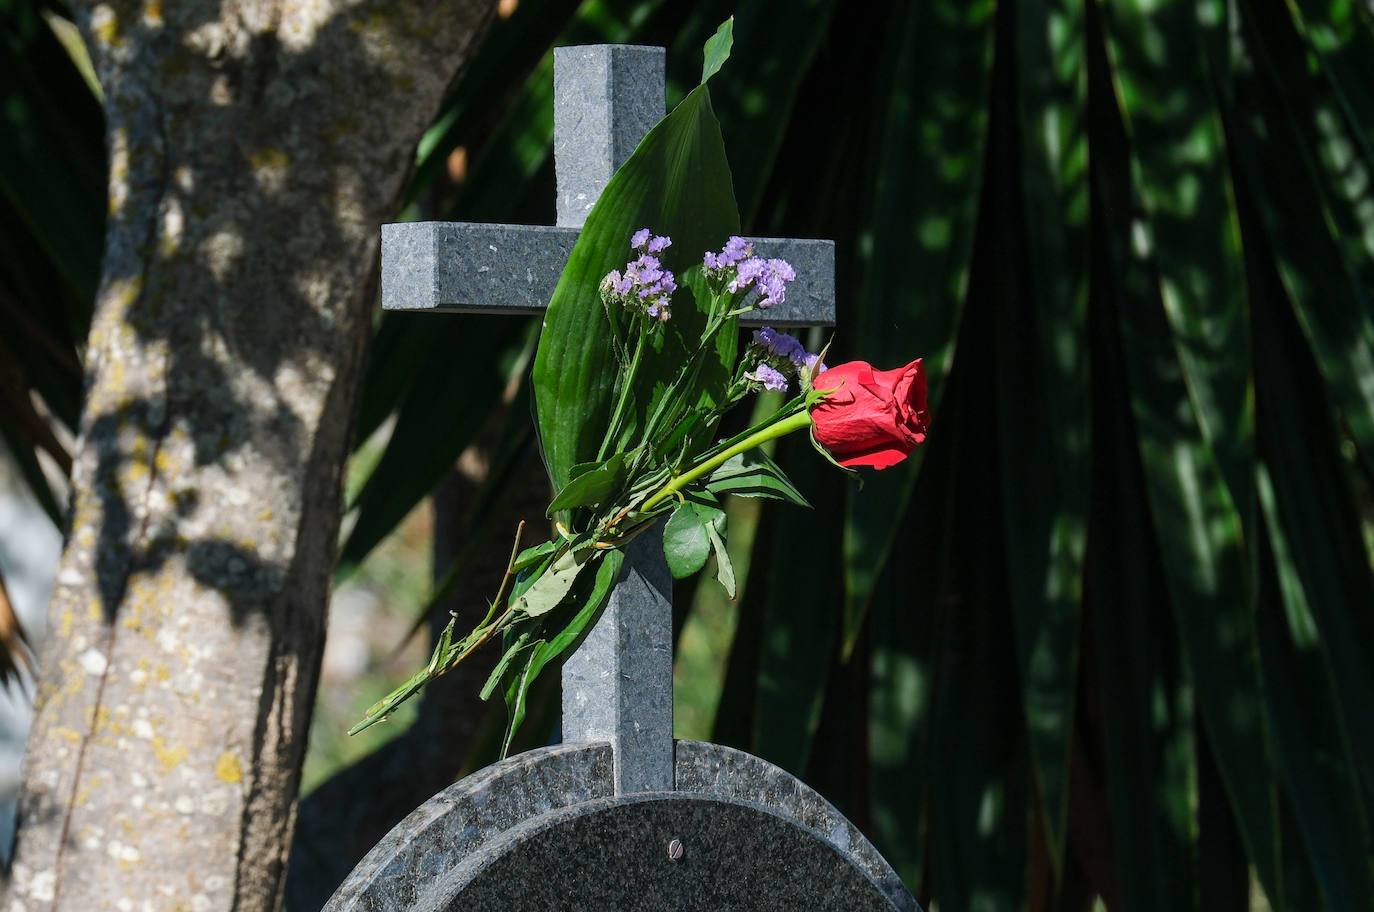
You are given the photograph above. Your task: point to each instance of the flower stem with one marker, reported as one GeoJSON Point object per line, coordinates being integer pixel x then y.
{"type": "Point", "coordinates": [614, 431]}
{"type": "Point", "coordinates": [793, 422]}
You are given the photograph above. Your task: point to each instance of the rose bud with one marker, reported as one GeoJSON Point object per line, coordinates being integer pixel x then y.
{"type": "Point", "coordinates": [872, 418]}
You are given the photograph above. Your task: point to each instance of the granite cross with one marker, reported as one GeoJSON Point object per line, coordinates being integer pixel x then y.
{"type": "Point", "coordinates": [618, 816]}
{"type": "Point", "coordinates": [618, 686]}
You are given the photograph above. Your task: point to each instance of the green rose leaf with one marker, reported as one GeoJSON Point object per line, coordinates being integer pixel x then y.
{"type": "Point", "coordinates": [685, 542]}
{"type": "Point", "coordinates": [592, 485]}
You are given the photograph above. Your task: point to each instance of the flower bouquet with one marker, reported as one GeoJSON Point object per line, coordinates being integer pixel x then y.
{"type": "Point", "coordinates": [637, 367]}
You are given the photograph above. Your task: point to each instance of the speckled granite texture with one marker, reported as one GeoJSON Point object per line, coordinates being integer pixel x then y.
{"type": "Point", "coordinates": [618, 685]}
{"type": "Point", "coordinates": [456, 267]}
{"type": "Point", "coordinates": [465, 816]}
{"type": "Point", "coordinates": [523, 806]}
{"type": "Point", "coordinates": [613, 854]}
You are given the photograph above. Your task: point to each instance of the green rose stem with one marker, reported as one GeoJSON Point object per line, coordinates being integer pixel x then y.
{"type": "Point", "coordinates": [793, 422]}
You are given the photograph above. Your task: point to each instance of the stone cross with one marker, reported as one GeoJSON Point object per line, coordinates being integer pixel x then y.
{"type": "Point", "coordinates": [619, 816]}
{"type": "Point", "coordinates": [618, 686]}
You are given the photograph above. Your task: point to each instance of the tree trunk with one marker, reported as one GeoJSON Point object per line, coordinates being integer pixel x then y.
{"type": "Point", "coordinates": [254, 147]}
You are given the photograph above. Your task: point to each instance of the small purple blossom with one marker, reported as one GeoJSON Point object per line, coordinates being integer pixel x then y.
{"type": "Point", "coordinates": [810, 366]}
{"type": "Point", "coordinates": [781, 353]}
{"type": "Point", "coordinates": [646, 286]}
{"type": "Point", "coordinates": [717, 265]}
{"type": "Point", "coordinates": [778, 343]}
{"type": "Point", "coordinates": [769, 277]}
{"type": "Point", "coordinates": [767, 378]}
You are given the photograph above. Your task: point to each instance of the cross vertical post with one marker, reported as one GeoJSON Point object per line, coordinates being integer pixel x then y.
{"type": "Point", "coordinates": [618, 685]}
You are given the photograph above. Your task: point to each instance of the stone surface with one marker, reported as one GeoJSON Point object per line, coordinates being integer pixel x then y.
{"type": "Point", "coordinates": [468, 815]}
{"type": "Point", "coordinates": [607, 97]}
{"type": "Point", "coordinates": [613, 854]}
{"type": "Point", "coordinates": [713, 769]}
{"type": "Point", "coordinates": [456, 267]}
{"type": "Point", "coordinates": [618, 685]}
{"type": "Point", "coordinates": [546, 824]}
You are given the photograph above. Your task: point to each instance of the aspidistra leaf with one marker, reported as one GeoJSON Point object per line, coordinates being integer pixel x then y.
{"type": "Point", "coordinates": [677, 183]}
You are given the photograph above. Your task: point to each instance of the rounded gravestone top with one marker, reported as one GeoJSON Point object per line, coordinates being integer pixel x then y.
{"type": "Point", "coordinates": [526, 813]}
{"type": "Point", "coordinates": [655, 851]}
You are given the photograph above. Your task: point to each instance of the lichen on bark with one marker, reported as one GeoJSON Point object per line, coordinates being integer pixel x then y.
{"type": "Point", "coordinates": [254, 147]}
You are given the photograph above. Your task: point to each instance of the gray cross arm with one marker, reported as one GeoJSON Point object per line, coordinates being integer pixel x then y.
{"type": "Point", "coordinates": [456, 267]}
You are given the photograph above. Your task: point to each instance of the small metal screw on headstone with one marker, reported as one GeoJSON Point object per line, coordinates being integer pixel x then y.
{"type": "Point", "coordinates": [583, 824]}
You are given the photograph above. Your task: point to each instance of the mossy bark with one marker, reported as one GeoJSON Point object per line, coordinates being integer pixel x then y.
{"type": "Point", "coordinates": [254, 147]}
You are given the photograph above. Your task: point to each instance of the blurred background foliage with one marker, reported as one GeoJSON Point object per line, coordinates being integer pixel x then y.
{"type": "Point", "coordinates": [1107, 639]}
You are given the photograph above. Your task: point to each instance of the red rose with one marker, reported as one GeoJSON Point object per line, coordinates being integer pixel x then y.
{"type": "Point", "coordinates": [873, 418]}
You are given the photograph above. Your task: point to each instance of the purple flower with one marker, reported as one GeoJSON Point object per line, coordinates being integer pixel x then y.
{"type": "Point", "coordinates": [735, 250]}
{"type": "Point", "coordinates": [646, 287]}
{"type": "Point", "coordinates": [808, 362]}
{"type": "Point", "coordinates": [778, 343]}
{"type": "Point", "coordinates": [769, 277]}
{"type": "Point", "coordinates": [767, 377]}
{"type": "Point", "coordinates": [781, 352]}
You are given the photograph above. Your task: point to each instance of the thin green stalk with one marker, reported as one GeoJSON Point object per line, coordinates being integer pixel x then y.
{"type": "Point", "coordinates": [614, 431]}
{"type": "Point", "coordinates": [781, 428]}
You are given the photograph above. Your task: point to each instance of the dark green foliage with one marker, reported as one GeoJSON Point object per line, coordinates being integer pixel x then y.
{"type": "Point", "coordinates": [1109, 632]}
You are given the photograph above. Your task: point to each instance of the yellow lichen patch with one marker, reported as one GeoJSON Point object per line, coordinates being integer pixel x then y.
{"type": "Point", "coordinates": [228, 769]}
{"type": "Point", "coordinates": [265, 514]}
{"type": "Point", "coordinates": [106, 27]}
{"type": "Point", "coordinates": [152, 12]}
{"type": "Point", "coordinates": [161, 673]}
{"type": "Point", "coordinates": [93, 612]}
{"type": "Point", "coordinates": [269, 158]}
{"type": "Point", "coordinates": [123, 292]}
{"type": "Point", "coordinates": [64, 624]}
{"type": "Point", "coordinates": [67, 734]}
{"type": "Point", "coordinates": [102, 719]}
{"type": "Point", "coordinates": [162, 461]}
{"type": "Point", "coordinates": [169, 758]}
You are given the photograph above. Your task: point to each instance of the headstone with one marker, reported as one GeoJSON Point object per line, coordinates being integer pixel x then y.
{"type": "Point", "coordinates": [619, 816]}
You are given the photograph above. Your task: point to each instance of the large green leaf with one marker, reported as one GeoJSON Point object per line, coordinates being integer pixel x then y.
{"type": "Point", "coordinates": [1181, 415]}
{"type": "Point", "coordinates": [1187, 227]}
{"type": "Point", "coordinates": [1314, 527]}
{"type": "Point", "coordinates": [1311, 184]}
{"type": "Point", "coordinates": [1042, 381]}
{"type": "Point", "coordinates": [678, 183]}
{"type": "Point", "coordinates": [1312, 746]}
{"type": "Point", "coordinates": [1147, 707]}
{"type": "Point", "coordinates": [980, 804]}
